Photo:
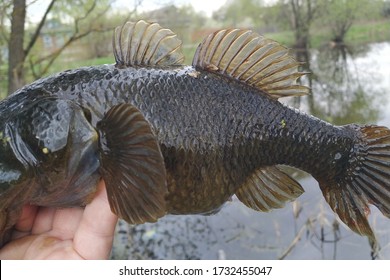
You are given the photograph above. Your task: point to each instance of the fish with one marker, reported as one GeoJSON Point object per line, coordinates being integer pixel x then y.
{"type": "Point", "coordinates": [175, 139]}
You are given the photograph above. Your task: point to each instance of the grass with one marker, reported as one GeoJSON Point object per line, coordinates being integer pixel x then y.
{"type": "Point", "coordinates": [285, 38]}
{"type": "Point", "coordinates": [360, 33]}
{"type": "Point", "coordinates": [369, 32]}
{"type": "Point", "coordinates": [72, 64]}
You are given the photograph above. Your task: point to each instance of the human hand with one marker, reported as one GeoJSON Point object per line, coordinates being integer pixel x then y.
{"type": "Point", "coordinates": [69, 233]}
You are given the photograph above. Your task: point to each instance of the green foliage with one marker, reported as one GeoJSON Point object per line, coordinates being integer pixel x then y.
{"type": "Point", "coordinates": [340, 15]}
{"type": "Point", "coordinates": [64, 64]}
{"type": "Point", "coordinates": [302, 14]}
{"type": "Point", "coordinates": [274, 18]}
{"type": "Point", "coordinates": [241, 12]}
{"type": "Point", "coordinates": [182, 20]}
{"type": "Point", "coordinates": [66, 11]}
{"type": "Point", "coordinates": [359, 34]}
{"type": "Point", "coordinates": [285, 38]}
{"type": "Point", "coordinates": [67, 29]}
{"type": "Point", "coordinates": [366, 32]}
{"type": "Point", "coordinates": [98, 43]}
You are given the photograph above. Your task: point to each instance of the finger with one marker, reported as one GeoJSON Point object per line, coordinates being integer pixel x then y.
{"type": "Point", "coordinates": [26, 220]}
{"type": "Point", "coordinates": [16, 249]}
{"type": "Point", "coordinates": [66, 222]}
{"type": "Point", "coordinates": [44, 220]}
{"type": "Point", "coordinates": [93, 239]}
{"type": "Point", "coordinates": [25, 223]}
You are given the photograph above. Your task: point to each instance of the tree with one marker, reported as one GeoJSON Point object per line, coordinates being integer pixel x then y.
{"type": "Point", "coordinates": [386, 9]}
{"type": "Point", "coordinates": [16, 53]}
{"type": "Point", "coordinates": [341, 14]}
{"type": "Point", "coordinates": [5, 13]}
{"type": "Point", "coordinates": [346, 96]}
{"type": "Point", "coordinates": [241, 12]}
{"type": "Point", "coordinates": [301, 14]}
{"type": "Point", "coordinates": [82, 21]}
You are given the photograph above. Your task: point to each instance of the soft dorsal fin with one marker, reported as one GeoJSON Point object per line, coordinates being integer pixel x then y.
{"type": "Point", "coordinates": [253, 59]}
{"type": "Point", "coordinates": [142, 43]}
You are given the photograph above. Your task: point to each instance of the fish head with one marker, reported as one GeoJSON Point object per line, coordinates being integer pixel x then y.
{"type": "Point", "coordinates": [11, 170]}
{"type": "Point", "coordinates": [50, 144]}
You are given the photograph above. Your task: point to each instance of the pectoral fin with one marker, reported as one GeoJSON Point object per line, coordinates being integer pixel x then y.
{"type": "Point", "coordinates": [132, 165]}
{"type": "Point", "coordinates": [268, 188]}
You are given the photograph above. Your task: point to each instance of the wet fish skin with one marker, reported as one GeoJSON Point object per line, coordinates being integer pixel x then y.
{"type": "Point", "coordinates": [32, 150]}
{"type": "Point", "coordinates": [176, 139]}
{"type": "Point", "coordinates": [206, 147]}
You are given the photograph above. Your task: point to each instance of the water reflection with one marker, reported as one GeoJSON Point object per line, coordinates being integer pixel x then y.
{"type": "Point", "coordinates": [341, 91]}
{"type": "Point", "coordinates": [348, 86]}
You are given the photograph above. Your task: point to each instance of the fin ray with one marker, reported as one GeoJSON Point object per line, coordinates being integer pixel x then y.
{"type": "Point", "coordinates": [132, 165]}
{"type": "Point", "coordinates": [142, 43]}
{"type": "Point", "coordinates": [268, 188]}
{"type": "Point", "coordinates": [252, 59]}
{"type": "Point", "coordinates": [260, 63]}
{"type": "Point", "coordinates": [368, 182]}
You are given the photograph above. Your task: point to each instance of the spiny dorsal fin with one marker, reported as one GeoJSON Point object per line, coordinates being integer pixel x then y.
{"type": "Point", "coordinates": [253, 59]}
{"type": "Point", "coordinates": [268, 188]}
{"type": "Point", "coordinates": [142, 43]}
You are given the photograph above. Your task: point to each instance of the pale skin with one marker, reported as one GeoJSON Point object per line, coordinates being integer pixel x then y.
{"type": "Point", "coordinates": [71, 233]}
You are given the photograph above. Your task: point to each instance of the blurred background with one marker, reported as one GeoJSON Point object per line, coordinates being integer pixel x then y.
{"type": "Point", "coordinates": [344, 44]}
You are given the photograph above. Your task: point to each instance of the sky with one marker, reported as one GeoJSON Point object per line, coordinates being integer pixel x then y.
{"type": "Point", "coordinates": [206, 6]}
{"type": "Point", "coordinates": [36, 10]}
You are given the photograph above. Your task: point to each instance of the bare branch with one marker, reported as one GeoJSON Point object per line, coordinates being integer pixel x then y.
{"type": "Point", "coordinates": [31, 63]}
{"type": "Point", "coordinates": [77, 35]}
{"type": "Point", "coordinates": [32, 3]}
{"type": "Point", "coordinates": [293, 243]}
{"type": "Point", "coordinates": [16, 55]}
{"type": "Point", "coordinates": [53, 56]}
{"type": "Point", "coordinates": [77, 20]}
{"type": "Point", "coordinates": [39, 28]}
{"type": "Point", "coordinates": [4, 8]}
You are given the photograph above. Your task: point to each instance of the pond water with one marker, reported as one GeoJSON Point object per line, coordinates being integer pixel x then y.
{"type": "Point", "coordinates": [348, 86]}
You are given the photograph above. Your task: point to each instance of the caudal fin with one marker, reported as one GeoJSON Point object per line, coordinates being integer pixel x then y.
{"type": "Point", "coordinates": [366, 180]}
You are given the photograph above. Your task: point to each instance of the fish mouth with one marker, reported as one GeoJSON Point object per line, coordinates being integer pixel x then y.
{"type": "Point", "coordinates": [80, 180]}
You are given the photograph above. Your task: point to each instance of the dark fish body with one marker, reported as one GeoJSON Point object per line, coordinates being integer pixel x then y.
{"type": "Point", "coordinates": [182, 140]}
{"type": "Point", "coordinates": [214, 132]}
